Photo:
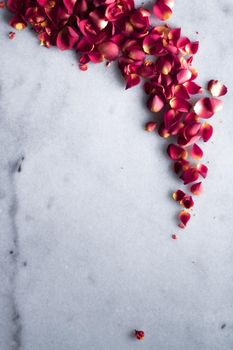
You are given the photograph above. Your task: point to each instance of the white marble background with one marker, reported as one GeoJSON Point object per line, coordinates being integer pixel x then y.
{"type": "Point", "coordinates": [85, 249]}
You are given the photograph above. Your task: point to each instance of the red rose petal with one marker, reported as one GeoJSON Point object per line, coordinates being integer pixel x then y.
{"type": "Point", "coordinates": [155, 103]}
{"type": "Point", "coordinates": [196, 152]}
{"type": "Point", "coordinates": [196, 188]}
{"type": "Point", "coordinates": [206, 107]}
{"type": "Point", "coordinates": [176, 153]}
{"type": "Point", "coordinates": [162, 10]}
{"type": "Point", "coordinates": [67, 38]}
{"type": "Point", "coordinates": [206, 131]}
{"type": "Point", "coordinates": [180, 105]}
{"type": "Point", "coordinates": [178, 195]}
{"type": "Point", "coordinates": [150, 126]}
{"type": "Point", "coordinates": [202, 169]}
{"type": "Point", "coordinates": [187, 202]}
{"type": "Point", "coordinates": [183, 76]}
{"type": "Point", "coordinates": [216, 88]}
{"type": "Point", "coordinates": [184, 218]}
{"type": "Point", "coordinates": [190, 175]}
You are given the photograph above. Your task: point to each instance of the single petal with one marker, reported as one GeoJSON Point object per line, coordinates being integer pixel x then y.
{"type": "Point", "coordinates": [193, 88]}
{"type": "Point", "coordinates": [18, 22]}
{"type": "Point", "coordinates": [155, 103]}
{"type": "Point", "coordinates": [175, 152]}
{"type": "Point", "coordinates": [184, 217]}
{"type": "Point", "coordinates": [150, 126]}
{"type": "Point", "coordinates": [132, 80]}
{"type": "Point", "coordinates": [202, 169]}
{"type": "Point", "coordinates": [181, 92]}
{"type": "Point", "coordinates": [216, 88]}
{"type": "Point", "coordinates": [187, 202]}
{"type": "Point", "coordinates": [162, 11]}
{"type": "Point", "coordinates": [183, 75]}
{"type": "Point", "coordinates": [196, 188]}
{"type": "Point", "coordinates": [196, 152]}
{"type": "Point", "coordinates": [174, 236]}
{"type": "Point", "coordinates": [179, 104]}
{"type": "Point", "coordinates": [109, 50]}
{"type": "Point", "coordinates": [206, 107]}
{"type": "Point", "coordinates": [192, 48]}
{"type": "Point", "coordinates": [206, 131]}
{"type": "Point", "coordinates": [178, 195]}
{"type": "Point", "coordinates": [190, 175]}
{"type": "Point", "coordinates": [67, 38]}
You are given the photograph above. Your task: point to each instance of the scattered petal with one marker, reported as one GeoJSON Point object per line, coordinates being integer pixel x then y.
{"type": "Point", "coordinates": [176, 153]}
{"type": "Point", "coordinates": [184, 217]}
{"type": "Point", "coordinates": [11, 35]}
{"type": "Point", "coordinates": [196, 152]}
{"type": "Point", "coordinates": [206, 131]}
{"type": "Point", "coordinates": [150, 126]}
{"type": "Point", "coordinates": [206, 107]}
{"type": "Point", "coordinates": [202, 169]}
{"type": "Point", "coordinates": [178, 195]}
{"type": "Point", "coordinates": [139, 335]}
{"type": "Point", "coordinates": [155, 103]}
{"type": "Point", "coordinates": [187, 202]}
{"type": "Point", "coordinates": [190, 175]}
{"type": "Point", "coordinates": [162, 10]}
{"type": "Point", "coordinates": [196, 188]}
{"type": "Point", "coordinates": [216, 88]}
{"type": "Point", "coordinates": [174, 236]}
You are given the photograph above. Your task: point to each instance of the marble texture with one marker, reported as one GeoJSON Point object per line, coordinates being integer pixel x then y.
{"type": "Point", "coordinates": [85, 248]}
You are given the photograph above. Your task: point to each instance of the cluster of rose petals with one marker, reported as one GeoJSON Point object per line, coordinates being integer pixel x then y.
{"type": "Point", "coordinates": [114, 30]}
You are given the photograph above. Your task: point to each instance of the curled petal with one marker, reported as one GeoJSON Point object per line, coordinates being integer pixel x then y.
{"type": "Point", "coordinates": [175, 152]}
{"type": "Point", "coordinates": [187, 202]}
{"type": "Point", "coordinates": [190, 175]}
{"type": "Point", "coordinates": [150, 42]}
{"type": "Point", "coordinates": [155, 103]}
{"type": "Point", "coordinates": [184, 217]}
{"type": "Point", "coordinates": [206, 107]}
{"type": "Point", "coordinates": [18, 22]}
{"type": "Point", "coordinates": [183, 75]}
{"type": "Point", "coordinates": [196, 152]}
{"type": "Point", "coordinates": [216, 88]}
{"type": "Point", "coordinates": [206, 131]}
{"type": "Point", "coordinates": [181, 166]}
{"type": "Point", "coordinates": [179, 104]}
{"type": "Point", "coordinates": [196, 188]}
{"type": "Point", "coordinates": [150, 126]}
{"type": "Point", "coordinates": [202, 169]}
{"type": "Point", "coordinates": [193, 88]}
{"type": "Point", "coordinates": [132, 80]}
{"type": "Point", "coordinates": [161, 10]}
{"type": "Point", "coordinates": [178, 195]}
{"type": "Point", "coordinates": [192, 48]}
{"type": "Point", "coordinates": [181, 91]}
{"type": "Point", "coordinates": [164, 65]}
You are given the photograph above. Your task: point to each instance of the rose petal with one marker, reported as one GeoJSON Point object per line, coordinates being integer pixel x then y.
{"type": "Point", "coordinates": [197, 188]}
{"type": "Point", "coordinates": [206, 131]}
{"type": "Point", "coordinates": [162, 11]}
{"type": "Point", "coordinates": [67, 38]}
{"type": "Point", "coordinates": [206, 107]}
{"type": "Point", "coordinates": [184, 217]}
{"type": "Point", "coordinates": [179, 104]}
{"type": "Point", "coordinates": [193, 88]}
{"type": "Point", "coordinates": [190, 175]}
{"type": "Point", "coordinates": [109, 50]}
{"type": "Point", "coordinates": [202, 169]}
{"type": "Point", "coordinates": [187, 202]}
{"type": "Point", "coordinates": [150, 126]}
{"type": "Point", "coordinates": [155, 103]}
{"type": "Point", "coordinates": [196, 152]}
{"type": "Point", "coordinates": [178, 195]}
{"type": "Point", "coordinates": [175, 152]}
{"type": "Point", "coordinates": [183, 76]}
{"type": "Point", "coordinates": [216, 88]}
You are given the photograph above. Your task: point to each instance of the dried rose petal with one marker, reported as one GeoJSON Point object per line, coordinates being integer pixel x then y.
{"type": "Point", "coordinates": [196, 152]}
{"type": "Point", "coordinates": [109, 50]}
{"type": "Point", "coordinates": [178, 195]}
{"type": "Point", "coordinates": [193, 88]}
{"type": "Point", "coordinates": [11, 35]}
{"type": "Point", "coordinates": [155, 103]}
{"type": "Point", "coordinates": [197, 188]}
{"type": "Point", "coordinates": [67, 38]}
{"type": "Point", "coordinates": [184, 218]}
{"type": "Point", "coordinates": [206, 107]}
{"type": "Point", "coordinates": [187, 202]}
{"type": "Point", "coordinates": [162, 10]}
{"type": "Point", "coordinates": [2, 4]}
{"type": "Point", "coordinates": [150, 126]}
{"type": "Point", "coordinates": [174, 236]}
{"type": "Point", "coordinates": [18, 22]}
{"type": "Point", "coordinates": [183, 76]}
{"type": "Point", "coordinates": [206, 131]}
{"type": "Point", "coordinates": [139, 335]}
{"type": "Point", "coordinates": [175, 152]}
{"type": "Point", "coordinates": [190, 175]}
{"type": "Point", "coordinates": [216, 88]}
{"type": "Point", "coordinates": [180, 105]}
{"type": "Point", "coordinates": [202, 169]}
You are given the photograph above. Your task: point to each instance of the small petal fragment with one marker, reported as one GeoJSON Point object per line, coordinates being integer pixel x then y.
{"type": "Point", "coordinates": [216, 88]}
{"type": "Point", "coordinates": [150, 126]}
{"type": "Point", "coordinates": [206, 131]}
{"type": "Point", "coordinates": [11, 35]}
{"type": "Point", "coordinates": [155, 103]}
{"type": "Point", "coordinates": [206, 107]}
{"type": "Point", "coordinates": [196, 188]}
{"type": "Point", "coordinates": [196, 152]}
{"type": "Point", "coordinates": [187, 202]}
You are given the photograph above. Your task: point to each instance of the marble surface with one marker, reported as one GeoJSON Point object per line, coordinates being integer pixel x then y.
{"type": "Point", "coordinates": [85, 249]}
